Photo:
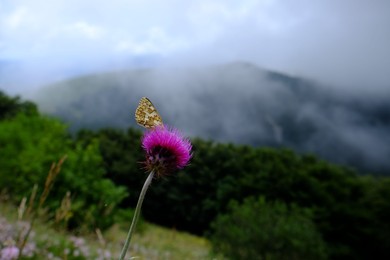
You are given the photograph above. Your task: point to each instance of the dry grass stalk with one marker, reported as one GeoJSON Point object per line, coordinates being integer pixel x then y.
{"type": "Point", "coordinates": [64, 213]}
{"type": "Point", "coordinates": [53, 173]}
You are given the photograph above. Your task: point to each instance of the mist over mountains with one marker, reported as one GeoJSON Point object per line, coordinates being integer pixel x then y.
{"type": "Point", "coordinates": [236, 102]}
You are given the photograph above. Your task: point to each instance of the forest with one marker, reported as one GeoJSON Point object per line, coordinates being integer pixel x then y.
{"type": "Point", "coordinates": [250, 202]}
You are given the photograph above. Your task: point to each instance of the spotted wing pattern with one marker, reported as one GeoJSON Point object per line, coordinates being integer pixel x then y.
{"type": "Point", "coordinates": [146, 114]}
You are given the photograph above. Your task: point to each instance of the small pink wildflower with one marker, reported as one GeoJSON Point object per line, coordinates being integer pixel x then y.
{"type": "Point", "coordinates": [166, 150]}
{"type": "Point", "coordinates": [9, 253]}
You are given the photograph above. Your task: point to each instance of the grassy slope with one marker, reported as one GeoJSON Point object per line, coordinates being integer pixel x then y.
{"type": "Point", "coordinates": [153, 243]}
{"type": "Point", "coordinates": [160, 243]}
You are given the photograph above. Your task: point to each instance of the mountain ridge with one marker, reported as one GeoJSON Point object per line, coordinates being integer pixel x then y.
{"type": "Point", "coordinates": [237, 102]}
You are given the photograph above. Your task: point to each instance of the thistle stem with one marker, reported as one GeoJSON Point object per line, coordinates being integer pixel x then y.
{"type": "Point", "coordinates": [136, 214]}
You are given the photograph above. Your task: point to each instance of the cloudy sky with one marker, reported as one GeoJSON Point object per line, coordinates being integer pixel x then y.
{"type": "Point", "coordinates": [339, 41]}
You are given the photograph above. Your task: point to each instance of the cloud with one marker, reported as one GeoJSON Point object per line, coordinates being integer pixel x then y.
{"type": "Point", "coordinates": [340, 42]}
{"type": "Point", "coordinates": [88, 30]}
{"type": "Point", "coordinates": [14, 19]}
{"type": "Point", "coordinates": [156, 41]}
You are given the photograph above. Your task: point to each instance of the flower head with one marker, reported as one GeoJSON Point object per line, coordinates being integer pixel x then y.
{"type": "Point", "coordinates": [166, 150]}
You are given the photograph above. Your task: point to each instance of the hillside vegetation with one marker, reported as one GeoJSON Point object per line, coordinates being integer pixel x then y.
{"type": "Point", "coordinates": [303, 206]}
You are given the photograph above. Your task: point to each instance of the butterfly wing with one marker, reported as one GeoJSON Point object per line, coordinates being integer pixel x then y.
{"type": "Point", "coordinates": [146, 114]}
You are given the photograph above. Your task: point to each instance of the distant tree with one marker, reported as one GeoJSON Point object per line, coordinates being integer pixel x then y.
{"type": "Point", "coordinates": [11, 106]}
{"type": "Point", "coordinates": [374, 242]}
{"type": "Point", "coordinates": [262, 230]}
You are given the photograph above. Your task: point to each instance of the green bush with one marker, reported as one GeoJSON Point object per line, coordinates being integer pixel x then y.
{"type": "Point", "coordinates": [95, 197]}
{"type": "Point", "coordinates": [260, 230]}
{"type": "Point", "coordinates": [30, 144]}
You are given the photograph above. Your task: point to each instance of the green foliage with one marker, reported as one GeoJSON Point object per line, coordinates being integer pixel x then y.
{"type": "Point", "coordinates": [94, 195]}
{"type": "Point", "coordinates": [30, 144]}
{"type": "Point", "coordinates": [374, 226]}
{"type": "Point", "coordinates": [122, 156]}
{"type": "Point", "coordinates": [256, 229]}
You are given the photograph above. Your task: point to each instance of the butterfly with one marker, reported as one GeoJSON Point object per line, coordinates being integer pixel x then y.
{"type": "Point", "coordinates": [146, 114]}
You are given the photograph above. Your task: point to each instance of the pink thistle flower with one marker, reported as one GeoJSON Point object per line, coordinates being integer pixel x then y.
{"type": "Point", "coordinates": [166, 150]}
